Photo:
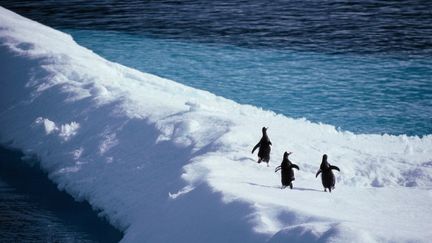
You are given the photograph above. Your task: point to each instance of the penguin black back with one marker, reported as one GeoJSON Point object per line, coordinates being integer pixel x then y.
{"type": "Point", "coordinates": [327, 177]}
{"type": "Point", "coordinates": [287, 172]}
{"type": "Point", "coordinates": [264, 147]}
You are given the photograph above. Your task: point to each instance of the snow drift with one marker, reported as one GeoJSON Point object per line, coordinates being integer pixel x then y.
{"type": "Point", "coordinates": [168, 163]}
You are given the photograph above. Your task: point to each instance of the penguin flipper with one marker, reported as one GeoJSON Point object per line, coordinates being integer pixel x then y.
{"type": "Point", "coordinates": [277, 168]}
{"type": "Point", "coordinates": [256, 146]}
{"type": "Point", "coordinates": [318, 172]}
{"type": "Point", "coordinates": [295, 166]}
{"type": "Point", "coordinates": [333, 167]}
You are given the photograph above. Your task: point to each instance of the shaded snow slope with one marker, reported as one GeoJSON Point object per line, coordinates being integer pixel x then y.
{"type": "Point", "coordinates": [168, 163]}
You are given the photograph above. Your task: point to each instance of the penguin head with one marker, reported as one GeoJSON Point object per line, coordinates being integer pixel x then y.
{"type": "Point", "coordinates": [324, 164]}
{"type": "Point", "coordinates": [285, 158]}
{"type": "Point", "coordinates": [264, 130]}
{"type": "Point", "coordinates": [286, 154]}
{"type": "Point", "coordinates": [324, 158]}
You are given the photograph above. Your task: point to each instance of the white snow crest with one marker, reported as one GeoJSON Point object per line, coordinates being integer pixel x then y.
{"type": "Point", "coordinates": [65, 131]}
{"type": "Point", "coordinates": [49, 125]}
{"type": "Point", "coordinates": [108, 142]}
{"type": "Point", "coordinates": [183, 191]}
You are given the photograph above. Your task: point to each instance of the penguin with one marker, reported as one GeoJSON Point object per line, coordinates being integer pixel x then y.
{"type": "Point", "coordinates": [287, 171]}
{"type": "Point", "coordinates": [264, 147]}
{"type": "Point", "coordinates": [327, 176]}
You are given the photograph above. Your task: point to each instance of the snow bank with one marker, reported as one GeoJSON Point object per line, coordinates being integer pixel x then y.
{"type": "Point", "coordinates": [169, 163]}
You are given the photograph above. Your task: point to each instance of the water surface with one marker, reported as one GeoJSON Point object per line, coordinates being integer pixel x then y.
{"type": "Point", "coordinates": [363, 66]}
{"type": "Point", "coordinates": [33, 210]}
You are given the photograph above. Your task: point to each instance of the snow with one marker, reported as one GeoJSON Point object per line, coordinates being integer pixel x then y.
{"type": "Point", "coordinates": [66, 131]}
{"type": "Point", "coordinates": [49, 126]}
{"type": "Point", "coordinates": [168, 163]}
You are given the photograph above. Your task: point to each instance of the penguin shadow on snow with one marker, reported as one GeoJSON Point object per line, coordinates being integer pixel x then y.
{"type": "Point", "coordinates": [279, 187]}
{"type": "Point", "coordinates": [246, 159]}
{"type": "Point", "coordinates": [266, 186]}
{"type": "Point", "coordinates": [306, 189]}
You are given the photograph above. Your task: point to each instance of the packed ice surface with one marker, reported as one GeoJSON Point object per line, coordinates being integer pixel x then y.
{"type": "Point", "coordinates": [168, 163]}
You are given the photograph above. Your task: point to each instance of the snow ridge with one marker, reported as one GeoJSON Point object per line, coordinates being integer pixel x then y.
{"type": "Point", "coordinates": [165, 162]}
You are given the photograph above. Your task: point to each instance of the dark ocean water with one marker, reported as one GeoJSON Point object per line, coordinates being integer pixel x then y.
{"type": "Point", "coordinates": [32, 209]}
{"type": "Point", "coordinates": [324, 26]}
{"type": "Point", "coordinates": [362, 66]}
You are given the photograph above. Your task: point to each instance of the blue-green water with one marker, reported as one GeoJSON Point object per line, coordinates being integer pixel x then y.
{"type": "Point", "coordinates": [363, 66]}
{"type": "Point", "coordinates": [365, 93]}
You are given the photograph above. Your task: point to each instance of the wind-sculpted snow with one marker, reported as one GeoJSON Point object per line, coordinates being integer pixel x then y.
{"type": "Point", "coordinates": [169, 163]}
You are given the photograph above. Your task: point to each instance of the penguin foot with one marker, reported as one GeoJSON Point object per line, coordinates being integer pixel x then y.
{"type": "Point", "coordinates": [291, 186]}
